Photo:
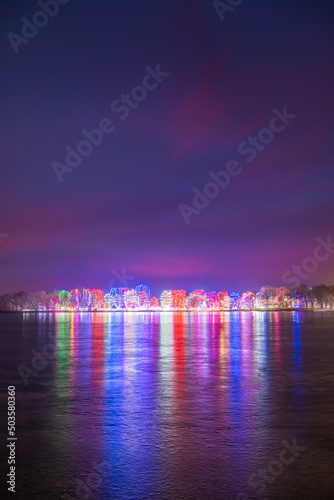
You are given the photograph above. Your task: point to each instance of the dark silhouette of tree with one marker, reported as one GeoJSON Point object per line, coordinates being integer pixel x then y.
{"type": "Point", "coordinates": [322, 294]}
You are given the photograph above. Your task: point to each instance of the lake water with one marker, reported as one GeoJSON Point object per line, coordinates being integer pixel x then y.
{"type": "Point", "coordinates": [171, 405]}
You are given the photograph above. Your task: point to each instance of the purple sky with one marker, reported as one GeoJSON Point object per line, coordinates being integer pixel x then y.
{"type": "Point", "coordinates": [120, 207]}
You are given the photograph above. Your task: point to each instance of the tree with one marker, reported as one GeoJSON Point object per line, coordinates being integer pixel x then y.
{"type": "Point", "coordinates": [142, 298]}
{"type": "Point", "coordinates": [75, 299]}
{"type": "Point", "coordinates": [193, 301]}
{"type": "Point", "coordinates": [224, 299]}
{"type": "Point", "coordinates": [166, 299]}
{"type": "Point", "coordinates": [322, 295]}
{"type": "Point", "coordinates": [131, 299]}
{"type": "Point", "coordinates": [246, 300]}
{"type": "Point", "coordinates": [331, 293]}
{"type": "Point", "coordinates": [153, 303]}
{"type": "Point", "coordinates": [282, 298]}
{"type": "Point", "coordinates": [97, 298]}
{"type": "Point", "coordinates": [51, 299]}
{"type": "Point", "coordinates": [203, 298]}
{"type": "Point", "coordinates": [213, 301]}
{"type": "Point", "coordinates": [300, 296]}
{"type": "Point", "coordinates": [179, 299]}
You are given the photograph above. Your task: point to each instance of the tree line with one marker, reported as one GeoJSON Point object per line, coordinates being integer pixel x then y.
{"type": "Point", "coordinates": [268, 297]}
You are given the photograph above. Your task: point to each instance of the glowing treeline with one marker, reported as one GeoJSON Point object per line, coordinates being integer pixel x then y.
{"type": "Point", "coordinates": [140, 298]}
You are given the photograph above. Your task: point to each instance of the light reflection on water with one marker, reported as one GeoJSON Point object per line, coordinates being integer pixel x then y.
{"type": "Point", "coordinates": [178, 405]}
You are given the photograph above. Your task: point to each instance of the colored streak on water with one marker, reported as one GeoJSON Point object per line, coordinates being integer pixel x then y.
{"type": "Point", "coordinates": [183, 405]}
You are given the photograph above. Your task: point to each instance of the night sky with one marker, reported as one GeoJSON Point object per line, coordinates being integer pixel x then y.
{"type": "Point", "coordinates": [119, 209]}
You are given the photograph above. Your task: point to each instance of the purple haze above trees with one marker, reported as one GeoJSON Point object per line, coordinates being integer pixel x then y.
{"type": "Point", "coordinates": [120, 206]}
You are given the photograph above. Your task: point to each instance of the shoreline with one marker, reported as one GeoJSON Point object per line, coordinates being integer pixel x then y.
{"type": "Point", "coordinates": [172, 311]}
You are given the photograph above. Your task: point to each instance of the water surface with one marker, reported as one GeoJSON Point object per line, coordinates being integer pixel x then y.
{"type": "Point", "coordinates": [171, 405]}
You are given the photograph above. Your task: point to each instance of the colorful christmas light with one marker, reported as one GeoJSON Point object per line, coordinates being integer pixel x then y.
{"type": "Point", "coordinates": [141, 299]}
